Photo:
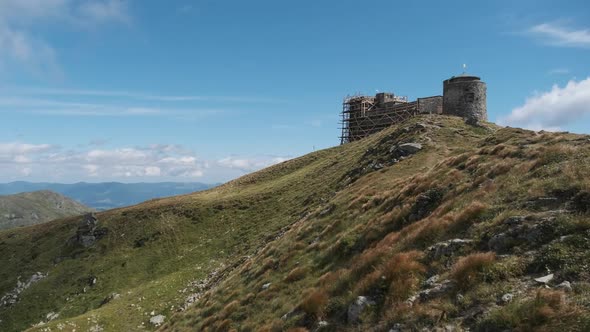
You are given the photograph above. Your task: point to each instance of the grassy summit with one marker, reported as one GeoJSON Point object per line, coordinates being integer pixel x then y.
{"type": "Point", "coordinates": [372, 235]}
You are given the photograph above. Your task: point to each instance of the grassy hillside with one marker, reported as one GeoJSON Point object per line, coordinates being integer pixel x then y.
{"type": "Point", "coordinates": [372, 235]}
{"type": "Point", "coordinates": [36, 207]}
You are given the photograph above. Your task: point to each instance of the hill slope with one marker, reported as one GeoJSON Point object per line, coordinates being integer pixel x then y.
{"type": "Point", "coordinates": [373, 235]}
{"type": "Point", "coordinates": [107, 195]}
{"type": "Point", "coordinates": [36, 207]}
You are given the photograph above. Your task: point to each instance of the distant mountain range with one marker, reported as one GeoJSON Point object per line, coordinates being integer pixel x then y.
{"type": "Point", "coordinates": [36, 207]}
{"type": "Point", "coordinates": [107, 195]}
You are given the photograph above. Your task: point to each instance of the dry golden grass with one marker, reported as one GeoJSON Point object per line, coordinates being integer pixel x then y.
{"type": "Point", "coordinates": [472, 268]}
{"type": "Point", "coordinates": [229, 308]}
{"type": "Point", "coordinates": [401, 274]}
{"type": "Point", "coordinates": [314, 302]}
{"type": "Point", "coordinates": [555, 153]}
{"type": "Point", "coordinates": [296, 274]}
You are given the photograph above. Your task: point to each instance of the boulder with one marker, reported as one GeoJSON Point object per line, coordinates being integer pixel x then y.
{"type": "Point", "coordinates": [545, 280]}
{"type": "Point", "coordinates": [405, 149]}
{"type": "Point", "coordinates": [565, 286]}
{"type": "Point", "coordinates": [506, 298]}
{"type": "Point", "coordinates": [157, 320]}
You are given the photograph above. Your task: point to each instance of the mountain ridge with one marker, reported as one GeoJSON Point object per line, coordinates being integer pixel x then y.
{"type": "Point", "coordinates": [431, 224]}
{"type": "Point", "coordinates": [108, 195]}
{"type": "Point", "coordinates": [29, 208]}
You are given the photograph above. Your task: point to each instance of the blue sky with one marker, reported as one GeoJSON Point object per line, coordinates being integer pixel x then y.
{"type": "Point", "coordinates": [101, 90]}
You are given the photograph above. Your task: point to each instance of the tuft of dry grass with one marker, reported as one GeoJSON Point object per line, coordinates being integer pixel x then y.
{"type": "Point", "coordinates": [548, 310]}
{"type": "Point", "coordinates": [296, 274]}
{"type": "Point", "coordinates": [314, 302]}
{"type": "Point", "coordinates": [229, 308]}
{"type": "Point", "coordinates": [472, 268]}
{"type": "Point", "coordinates": [400, 274]}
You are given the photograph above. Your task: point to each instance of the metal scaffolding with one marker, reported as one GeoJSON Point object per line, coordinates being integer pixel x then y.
{"type": "Point", "coordinates": [364, 115]}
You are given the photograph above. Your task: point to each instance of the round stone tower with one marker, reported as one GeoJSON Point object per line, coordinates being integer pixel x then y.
{"type": "Point", "coordinates": [465, 96]}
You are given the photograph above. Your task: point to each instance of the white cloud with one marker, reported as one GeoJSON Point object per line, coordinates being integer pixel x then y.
{"type": "Point", "coordinates": [162, 162]}
{"type": "Point", "coordinates": [91, 169]}
{"type": "Point", "coordinates": [103, 11]}
{"type": "Point", "coordinates": [21, 47]}
{"type": "Point", "coordinates": [250, 164]}
{"type": "Point", "coordinates": [26, 171]}
{"type": "Point", "coordinates": [20, 19]}
{"type": "Point", "coordinates": [558, 35]}
{"type": "Point", "coordinates": [553, 109]}
{"type": "Point", "coordinates": [17, 148]}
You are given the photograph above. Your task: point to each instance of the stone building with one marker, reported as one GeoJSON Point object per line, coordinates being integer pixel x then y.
{"type": "Point", "coordinates": [463, 96]}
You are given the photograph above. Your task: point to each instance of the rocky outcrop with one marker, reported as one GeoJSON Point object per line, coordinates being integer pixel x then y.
{"type": "Point", "coordinates": [12, 297]}
{"type": "Point", "coordinates": [529, 230]}
{"type": "Point", "coordinates": [446, 248]}
{"type": "Point", "coordinates": [88, 231]}
{"type": "Point", "coordinates": [425, 204]}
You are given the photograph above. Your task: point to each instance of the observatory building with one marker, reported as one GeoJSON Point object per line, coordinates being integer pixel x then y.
{"type": "Point", "coordinates": [463, 96]}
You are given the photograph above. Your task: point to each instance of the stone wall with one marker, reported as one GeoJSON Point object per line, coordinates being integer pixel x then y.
{"type": "Point", "coordinates": [430, 105]}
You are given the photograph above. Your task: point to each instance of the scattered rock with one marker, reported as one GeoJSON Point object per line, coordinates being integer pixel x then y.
{"type": "Point", "coordinates": [51, 316]}
{"type": "Point", "coordinates": [265, 286]}
{"type": "Point", "coordinates": [446, 248]}
{"type": "Point", "coordinates": [506, 298]}
{"type": "Point", "coordinates": [290, 314]}
{"type": "Point", "coordinates": [322, 326]}
{"type": "Point", "coordinates": [12, 297]}
{"type": "Point", "coordinates": [326, 211]}
{"type": "Point", "coordinates": [111, 297]}
{"type": "Point", "coordinates": [425, 204]}
{"type": "Point", "coordinates": [566, 286]}
{"type": "Point", "coordinates": [437, 290]}
{"type": "Point", "coordinates": [397, 327]}
{"type": "Point", "coordinates": [459, 298]}
{"type": "Point", "coordinates": [157, 320]}
{"type": "Point", "coordinates": [431, 281]}
{"type": "Point", "coordinates": [545, 280]}
{"type": "Point", "coordinates": [530, 230]}
{"type": "Point", "coordinates": [514, 220]}
{"type": "Point", "coordinates": [356, 309]}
